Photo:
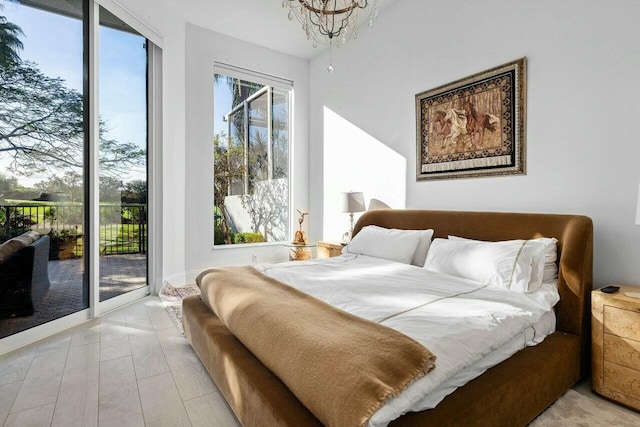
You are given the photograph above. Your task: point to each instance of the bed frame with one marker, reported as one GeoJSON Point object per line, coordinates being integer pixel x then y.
{"type": "Point", "coordinates": [509, 394]}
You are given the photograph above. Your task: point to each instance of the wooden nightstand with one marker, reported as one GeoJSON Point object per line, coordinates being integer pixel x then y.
{"type": "Point", "coordinates": [615, 348]}
{"type": "Point", "coordinates": [328, 249]}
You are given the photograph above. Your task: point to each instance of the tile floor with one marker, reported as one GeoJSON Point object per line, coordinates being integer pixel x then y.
{"type": "Point", "coordinates": [130, 367]}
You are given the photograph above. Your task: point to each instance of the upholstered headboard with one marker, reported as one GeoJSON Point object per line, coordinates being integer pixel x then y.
{"type": "Point", "coordinates": [575, 251]}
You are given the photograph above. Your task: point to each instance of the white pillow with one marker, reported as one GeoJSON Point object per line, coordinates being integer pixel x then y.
{"type": "Point", "coordinates": [513, 265]}
{"type": "Point", "coordinates": [387, 243]}
{"type": "Point", "coordinates": [550, 257]}
{"type": "Point", "coordinates": [422, 249]}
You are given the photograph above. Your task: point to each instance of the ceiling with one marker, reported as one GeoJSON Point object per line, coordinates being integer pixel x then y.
{"type": "Point", "coordinates": [261, 22]}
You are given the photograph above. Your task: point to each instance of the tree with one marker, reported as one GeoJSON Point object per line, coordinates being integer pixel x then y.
{"type": "Point", "coordinates": [7, 184]}
{"type": "Point", "coordinates": [42, 127]}
{"type": "Point", "coordinates": [228, 167]}
{"type": "Point", "coordinates": [135, 192]}
{"type": "Point", "coordinates": [240, 90]}
{"type": "Point", "coordinates": [42, 120]}
{"type": "Point", "coordinates": [110, 188]}
{"type": "Point", "coordinates": [69, 185]}
{"type": "Point", "coordinates": [10, 42]}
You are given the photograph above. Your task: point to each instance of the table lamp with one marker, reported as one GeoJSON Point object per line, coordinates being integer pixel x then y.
{"type": "Point", "coordinates": [352, 202]}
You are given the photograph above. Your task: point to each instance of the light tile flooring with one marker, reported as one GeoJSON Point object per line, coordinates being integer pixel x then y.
{"type": "Point", "coordinates": [130, 367]}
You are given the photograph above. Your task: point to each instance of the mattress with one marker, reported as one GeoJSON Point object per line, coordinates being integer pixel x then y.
{"type": "Point", "coordinates": [468, 326]}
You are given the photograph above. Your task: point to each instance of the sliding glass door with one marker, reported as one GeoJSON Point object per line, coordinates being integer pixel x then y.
{"type": "Point", "coordinates": [123, 232]}
{"type": "Point", "coordinates": [74, 150]}
{"type": "Point", "coordinates": [42, 163]}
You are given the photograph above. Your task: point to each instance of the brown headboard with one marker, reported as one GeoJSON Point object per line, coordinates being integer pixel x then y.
{"type": "Point", "coordinates": [575, 250]}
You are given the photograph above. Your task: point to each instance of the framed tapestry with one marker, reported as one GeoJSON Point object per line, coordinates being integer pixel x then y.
{"type": "Point", "coordinates": [474, 126]}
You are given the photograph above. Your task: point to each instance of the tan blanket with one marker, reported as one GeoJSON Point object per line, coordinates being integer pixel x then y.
{"type": "Point", "coordinates": [341, 367]}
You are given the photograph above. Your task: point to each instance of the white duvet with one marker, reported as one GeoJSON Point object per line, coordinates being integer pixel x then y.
{"type": "Point", "coordinates": [467, 326]}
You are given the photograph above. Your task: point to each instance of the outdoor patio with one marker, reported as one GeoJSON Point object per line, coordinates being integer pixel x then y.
{"type": "Point", "coordinates": [119, 274]}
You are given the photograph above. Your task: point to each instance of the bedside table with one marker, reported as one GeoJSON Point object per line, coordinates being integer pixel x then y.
{"type": "Point", "coordinates": [615, 347]}
{"type": "Point", "coordinates": [328, 249]}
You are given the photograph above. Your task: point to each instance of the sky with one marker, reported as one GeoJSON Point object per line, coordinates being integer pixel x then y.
{"type": "Point", "coordinates": [222, 101]}
{"type": "Point", "coordinates": [54, 42]}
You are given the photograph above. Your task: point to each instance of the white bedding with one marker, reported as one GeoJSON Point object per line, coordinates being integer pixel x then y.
{"type": "Point", "coordinates": [461, 321]}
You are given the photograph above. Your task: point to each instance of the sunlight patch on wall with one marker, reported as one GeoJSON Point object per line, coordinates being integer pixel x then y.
{"type": "Point", "coordinates": [356, 161]}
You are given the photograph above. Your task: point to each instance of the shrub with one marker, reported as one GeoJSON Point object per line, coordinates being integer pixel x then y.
{"type": "Point", "coordinates": [218, 235]}
{"type": "Point", "coordinates": [248, 238]}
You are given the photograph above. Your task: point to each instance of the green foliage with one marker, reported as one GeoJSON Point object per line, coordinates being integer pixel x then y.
{"type": "Point", "coordinates": [219, 236]}
{"type": "Point", "coordinates": [110, 189]}
{"type": "Point", "coordinates": [64, 235]}
{"type": "Point", "coordinates": [6, 185]}
{"type": "Point", "coordinates": [20, 193]}
{"type": "Point", "coordinates": [135, 192]}
{"type": "Point", "coordinates": [10, 42]}
{"type": "Point", "coordinates": [228, 167]}
{"type": "Point", "coordinates": [69, 187]}
{"type": "Point", "coordinates": [248, 238]}
{"type": "Point", "coordinates": [18, 223]}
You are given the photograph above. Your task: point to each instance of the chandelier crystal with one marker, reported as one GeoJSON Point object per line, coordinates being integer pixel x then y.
{"type": "Point", "coordinates": [330, 22]}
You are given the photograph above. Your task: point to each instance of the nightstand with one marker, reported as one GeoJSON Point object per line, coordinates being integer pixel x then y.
{"type": "Point", "coordinates": [328, 249]}
{"type": "Point", "coordinates": [615, 348]}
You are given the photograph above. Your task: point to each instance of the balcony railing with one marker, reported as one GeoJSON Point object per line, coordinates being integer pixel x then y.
{"type": "Point", "coordinates": [123, 227]}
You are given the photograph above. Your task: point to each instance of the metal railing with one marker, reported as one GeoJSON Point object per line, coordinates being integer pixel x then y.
{"type": "Point", "coordinates": [123, 227]}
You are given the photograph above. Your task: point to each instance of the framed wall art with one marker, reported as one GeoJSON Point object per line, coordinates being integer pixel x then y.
{"type": "Point", "coordinates": [474, 126]}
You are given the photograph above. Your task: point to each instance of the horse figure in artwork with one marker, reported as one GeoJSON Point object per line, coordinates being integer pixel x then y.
{"type": "Point", "coordinates": [445, 126]}
{"type": "Point", "coordinates": [478, 122]}
{"type": "Point", "coordinates": [453, 123]}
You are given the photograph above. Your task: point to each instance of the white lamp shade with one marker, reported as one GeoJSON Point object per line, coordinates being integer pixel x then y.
{"type": "Point", "coordinates": [375, 204]}
{"type": "Point", "coordinates": [353, 201]}
{"type": "Point", "coordinates": [638, 208]}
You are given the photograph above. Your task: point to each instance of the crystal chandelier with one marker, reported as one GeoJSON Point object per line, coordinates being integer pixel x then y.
{"type": "Point", "coordinates": [329, 22]}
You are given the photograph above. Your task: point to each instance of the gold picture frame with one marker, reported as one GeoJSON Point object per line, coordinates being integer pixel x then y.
{"type": "Point", "coordinates": [474, 126]}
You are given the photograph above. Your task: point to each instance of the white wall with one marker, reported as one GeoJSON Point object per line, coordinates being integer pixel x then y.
{"type": "Point", "coordinates": [203, 47]}
{"type": "Point", "coordinates": [583, 104]}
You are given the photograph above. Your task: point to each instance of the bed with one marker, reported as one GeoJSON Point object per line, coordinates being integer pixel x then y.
{"type": "Point", "coordinates": [510, 393]}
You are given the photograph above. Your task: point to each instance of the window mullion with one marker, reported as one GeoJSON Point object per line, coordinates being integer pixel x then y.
{"type": "Point", "coordinates": [245, 124]}
{"type": "Point", "coordinates": [270, 131]}
{"type": "Point", "coordinates": [94, 163]}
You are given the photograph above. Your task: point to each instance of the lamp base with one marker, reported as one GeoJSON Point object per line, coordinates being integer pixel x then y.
{"type": "Point", "coordinates": [346, 237]}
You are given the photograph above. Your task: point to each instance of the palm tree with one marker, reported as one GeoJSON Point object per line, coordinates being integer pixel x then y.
{"type": "Point", "coordinates": [10, 42]}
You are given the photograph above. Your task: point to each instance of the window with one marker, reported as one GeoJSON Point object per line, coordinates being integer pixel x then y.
{"type": "Point", "coordinates": [251, 157]}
